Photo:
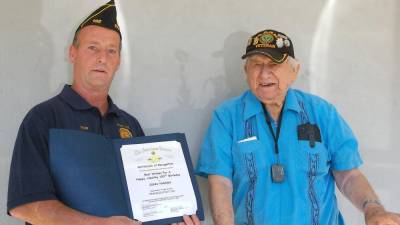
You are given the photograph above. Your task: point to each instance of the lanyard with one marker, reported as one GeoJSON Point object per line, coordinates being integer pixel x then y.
{"type": "Point", "coordinates": [278, 129]}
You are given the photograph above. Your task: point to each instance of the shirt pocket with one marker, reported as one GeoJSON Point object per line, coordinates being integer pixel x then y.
{"type": "Point", "coordinates": [248, 159]}
{"type": "Point", "coordinates": [312, 160]}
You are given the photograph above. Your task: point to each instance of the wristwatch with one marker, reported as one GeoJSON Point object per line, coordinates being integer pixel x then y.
{"type": "Point", "coordinates": [371, 201]}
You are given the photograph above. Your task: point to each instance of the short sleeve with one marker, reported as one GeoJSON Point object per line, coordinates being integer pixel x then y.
{"type": "Point", "coordinates": [133, 123]}
{"type": "Point", "coordinates": [30, 179]}
{"type": "Point", "coordinates": [342, 143]}
{"type": "Point", "coordinates": [215, 154]}
{"type": "Point", "coordinates": [137, 129]}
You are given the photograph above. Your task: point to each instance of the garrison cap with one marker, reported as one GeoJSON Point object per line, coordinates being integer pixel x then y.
{"type": "Point", "coordinates": [105, 16]}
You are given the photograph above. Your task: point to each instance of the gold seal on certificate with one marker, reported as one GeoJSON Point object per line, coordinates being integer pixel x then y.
{"type": "Point", "coordinates": [158, 180]}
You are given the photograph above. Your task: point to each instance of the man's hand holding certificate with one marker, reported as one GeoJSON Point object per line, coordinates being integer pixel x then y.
{"type": "Point", "coordinates": [158, 180]}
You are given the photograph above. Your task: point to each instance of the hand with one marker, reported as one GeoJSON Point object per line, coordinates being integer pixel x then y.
{"type": "Point", "coordinates": [192, 220]}
{"type": "Point", "coordinates": [119, 220]}
{"type": "Point", "coordinates": [377, 215]}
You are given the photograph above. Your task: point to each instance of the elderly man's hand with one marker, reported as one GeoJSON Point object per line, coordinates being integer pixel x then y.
{"type": "Point", "coordinates": [377, 215]}
{"type": "Point", "coordinates": [192, 220]}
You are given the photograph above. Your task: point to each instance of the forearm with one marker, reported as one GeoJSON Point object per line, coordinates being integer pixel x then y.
{"type": "Point", "coordinates": [52, 212]}
{"type": "Point", "coordinates": [356, 188]}
{"type": "Point", "coordinates": [220, 194]}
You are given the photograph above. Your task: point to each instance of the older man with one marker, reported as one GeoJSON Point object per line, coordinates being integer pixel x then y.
{"type": "Point", "coordinates": [273, 155]}
{"type": "Point", "coordinates": [85, 106]}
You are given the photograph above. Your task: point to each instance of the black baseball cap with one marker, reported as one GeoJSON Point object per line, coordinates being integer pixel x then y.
{"type": "Point", "coordinates": [271, 43]}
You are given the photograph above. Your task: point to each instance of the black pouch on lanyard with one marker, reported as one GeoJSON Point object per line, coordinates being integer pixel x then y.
{"type": "Point", "coordinates": [309, 132]}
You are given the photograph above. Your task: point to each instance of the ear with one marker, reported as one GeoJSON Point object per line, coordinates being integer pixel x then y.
{"type": "Point", "coordinates": [295, 72]}
{"type": "Point", "coordinates": [245, 66]}
{"type": "Point", "coordinates": [72, 53]}
{"type": "Point", "coordinates": [297, 69]}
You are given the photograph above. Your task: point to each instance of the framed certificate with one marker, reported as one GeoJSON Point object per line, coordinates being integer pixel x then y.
{"type": "Point", "coordinates": [146, 178]}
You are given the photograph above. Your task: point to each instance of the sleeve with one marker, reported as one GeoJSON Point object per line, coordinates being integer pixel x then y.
{"type": "Point", "coordinates": [30, 178]}
{"type": "Point", "coordinates": [137, 129]}
{"type": "Point", "coordinates": [342, 143]}
{"type": "Point", "coordinates": [215, 153]}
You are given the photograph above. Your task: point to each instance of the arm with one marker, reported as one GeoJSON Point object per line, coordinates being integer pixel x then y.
{"type": "Point", "coordinates": [220, 196]}
{"type": "Point", "coordinates": [53, 212]}
{"type": "Point", "coordinates": [354, 185]}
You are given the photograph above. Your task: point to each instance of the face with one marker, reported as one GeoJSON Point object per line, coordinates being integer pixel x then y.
{"type": "Point", "coordinates": [268, 80]}
{"type": "Point", "coordinates": [95, 58]}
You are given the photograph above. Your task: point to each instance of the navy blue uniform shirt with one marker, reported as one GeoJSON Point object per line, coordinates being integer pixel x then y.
{"type": "Point", "coordinates": [30, 178]}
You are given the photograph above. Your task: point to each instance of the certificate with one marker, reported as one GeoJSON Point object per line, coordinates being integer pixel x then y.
{"type": "Point", "coordinates": [158, 180]}
{"type": "Point", "coordinates": [148, 178]}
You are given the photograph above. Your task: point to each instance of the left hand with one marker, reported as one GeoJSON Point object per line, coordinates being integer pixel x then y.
{"type": "Point", "coordinates": [377, 215]}
{"type": "Point", "coordinates": [192, 220]}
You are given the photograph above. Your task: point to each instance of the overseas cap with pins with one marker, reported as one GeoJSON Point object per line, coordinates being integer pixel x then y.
{"type": "Point", "coordinates": [273, 44]}
{"type": "Point", "coordinates": [105, 16]}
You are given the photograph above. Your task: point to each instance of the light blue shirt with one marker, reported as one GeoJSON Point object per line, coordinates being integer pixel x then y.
{"type": "Point", "coordinates": [239, 146]}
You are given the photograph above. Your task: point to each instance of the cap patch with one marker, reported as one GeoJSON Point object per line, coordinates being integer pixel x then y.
{"type": "Point", "coordinates": [270, 43]}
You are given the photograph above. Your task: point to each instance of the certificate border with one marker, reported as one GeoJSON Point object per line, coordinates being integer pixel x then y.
{"type": "Point", "coordinates": [180, 137]}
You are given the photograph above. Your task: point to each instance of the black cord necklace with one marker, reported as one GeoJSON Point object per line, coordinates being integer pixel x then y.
{"type": "Point", "coordinates": [277, 169]}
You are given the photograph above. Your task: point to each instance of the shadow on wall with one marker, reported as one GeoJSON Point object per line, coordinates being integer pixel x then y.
{"type": "Point", "coordinates": [192, 120]}
{"type": "Point", "coordinates": [25, 62]}
{"type": "Point", "coordinates": [234, 48]}
{"type": "Point", "coordinates": [29, 55]}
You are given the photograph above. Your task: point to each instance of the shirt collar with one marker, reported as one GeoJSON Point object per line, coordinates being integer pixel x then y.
{"type": "Point", "coordinates": [253, 106]}
{"type": "Point", "coordinates": [78, 103]}
{"type": "Point", "coordinates": [112, 108]}
{"type": "Point", "coordinates": [292, 102]}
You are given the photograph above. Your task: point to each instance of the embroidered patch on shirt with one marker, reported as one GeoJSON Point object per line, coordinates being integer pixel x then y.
{"type": "Point", "coordinates": [125, 133]}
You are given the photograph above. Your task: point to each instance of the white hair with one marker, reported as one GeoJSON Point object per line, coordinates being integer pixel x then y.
{"type": "Point", "coordinates": [293, 62]}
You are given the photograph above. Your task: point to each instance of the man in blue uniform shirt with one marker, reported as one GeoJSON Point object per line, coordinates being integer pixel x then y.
{"type": "Point", "coordinates": [273, 155]}
{"type": "Point", "coordinates": [85, 106]}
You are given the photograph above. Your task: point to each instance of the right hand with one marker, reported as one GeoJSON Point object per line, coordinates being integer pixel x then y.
{"type": "Point", "coordinates": [119, 220]}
